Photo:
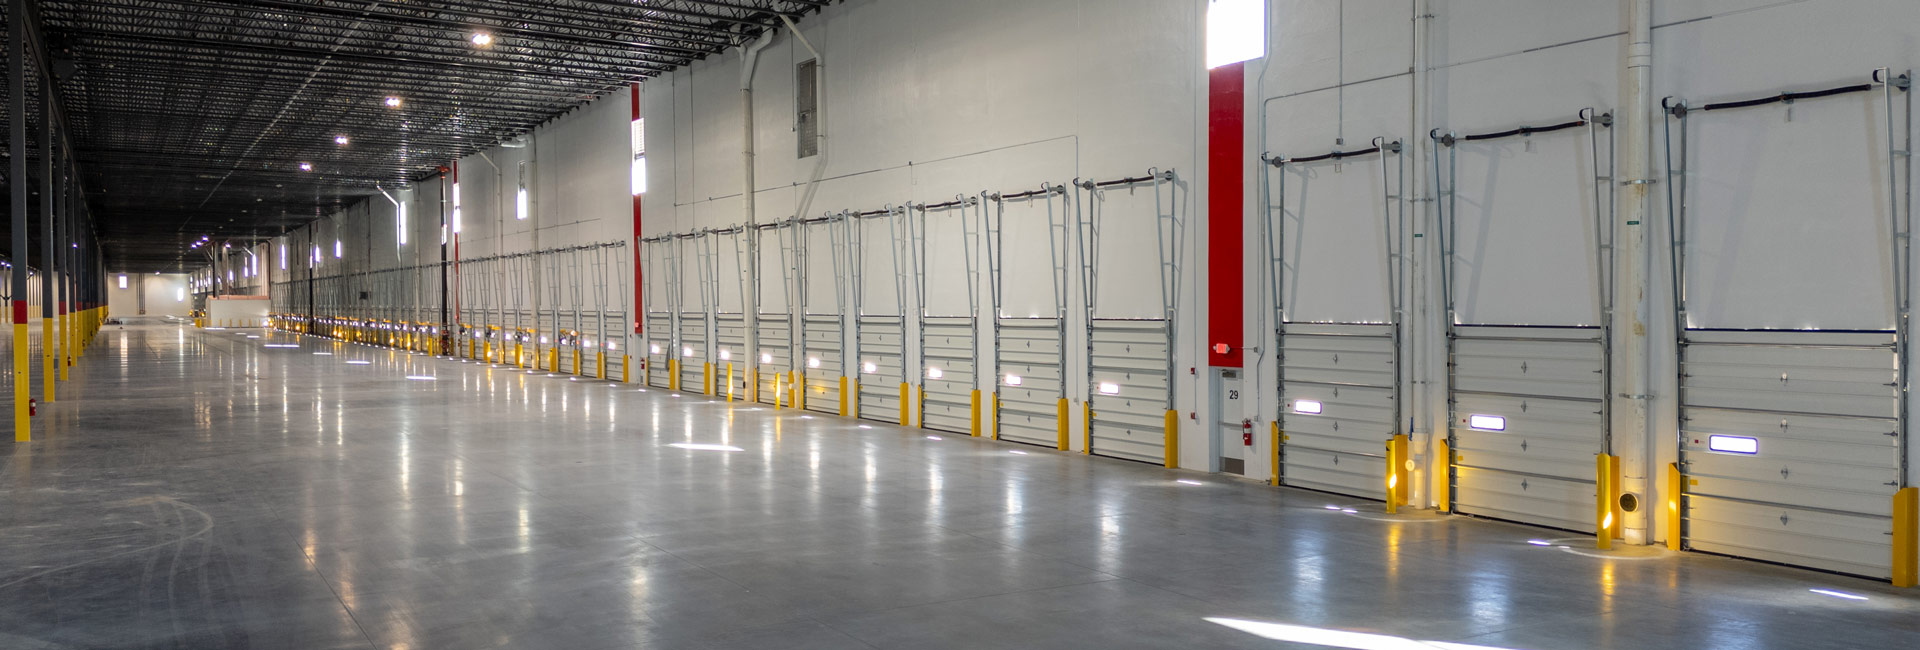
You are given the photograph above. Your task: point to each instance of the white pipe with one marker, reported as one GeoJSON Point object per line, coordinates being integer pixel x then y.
{"type": "Point", "coordinates": [749, 300]}
{"type": "Point", "coordinates": [1634, 194]}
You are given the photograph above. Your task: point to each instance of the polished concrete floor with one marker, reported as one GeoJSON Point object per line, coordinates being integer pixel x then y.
{"type": "Point", "coordinates": [199, 490]}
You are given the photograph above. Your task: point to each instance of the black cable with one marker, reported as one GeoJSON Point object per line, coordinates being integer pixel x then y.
{"type": "Point", "coordinates": [1787, 97]}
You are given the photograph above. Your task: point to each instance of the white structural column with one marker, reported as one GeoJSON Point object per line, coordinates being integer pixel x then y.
{"type": "Point", "coordinates": [1635, 191]}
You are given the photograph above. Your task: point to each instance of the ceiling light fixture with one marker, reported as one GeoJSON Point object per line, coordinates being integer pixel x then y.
{"type": "Point", "coordinates": [393, 102]}
{"type": "Point", "coordinates": [339, 139]}
{"type": "Point", "coordinates": [482, 39]}
{"type": "Point", "coordinates": [306, 167]}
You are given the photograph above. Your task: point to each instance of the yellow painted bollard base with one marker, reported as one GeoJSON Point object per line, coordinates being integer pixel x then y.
{"type": "Point", "coordinates": [1606, 477]}
{"type": "Point", "coordinates": [22, 425]}
{"type": "Point", "coordinates": [1906, 537]}
{"type": "Point", "coordinates": [1274, 454]}
{"type": "Point", "coordinates": [906, 396]}
{"type": "Point", "coordinates": [844, 411]}
{"type": "Point", "coordinates": [1396, 473]}
{"type": "Point", "coordinates": [973, 414]}
{"type": "Point", "coordinates": [1173, 439]}
{"type": "Point", "coordinates": [1442, 476]}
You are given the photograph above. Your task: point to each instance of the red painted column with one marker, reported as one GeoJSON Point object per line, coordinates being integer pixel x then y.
{"type": "Point", "coordinates": [1226, 194]}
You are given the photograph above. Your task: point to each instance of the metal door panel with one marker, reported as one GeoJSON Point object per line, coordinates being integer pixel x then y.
{"type": "Point", "coordinates": [1029, 348]}
{"type": "Point", "coordinates": [1822, 409]}
{"type": "Point", "coordinates": [1348, 370]}
{"type": "Point", "coordinates": [1834, 541]}
{"type": "Point", "coordinates": [881, 355]}
{"type": "Point", "coordinates": [693, 352]}
{"type": "Point", "coordinates": [947, 344]}
{"type": "Point", "coordinates": [1128, 363]}
{"type": "Point", "coordinates": [822, 368]}
{"type": "Point", "coordinates": [659, 349]}
{"type": "Point", "coordinates": [776, 354]}
{"type": "Point", "coordinates": [1541, 500]}
{"type": "Point", "coordinates": [1548, 386]}
{"type": "Point", "coordinates": [730, 348]}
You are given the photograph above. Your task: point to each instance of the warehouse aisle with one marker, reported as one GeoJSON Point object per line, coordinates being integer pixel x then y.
{"type": "Point", "coordinates": [201, 489]}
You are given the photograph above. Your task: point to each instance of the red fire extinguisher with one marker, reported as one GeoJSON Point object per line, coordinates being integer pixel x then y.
{"type": "Point", "coordinates": [33, 406]}
{"type": "Point", "coordinates": [1246, 432]}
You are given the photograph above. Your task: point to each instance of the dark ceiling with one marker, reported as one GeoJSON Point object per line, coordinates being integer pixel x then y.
{"type": "Point", "coordinates": [191, 117]}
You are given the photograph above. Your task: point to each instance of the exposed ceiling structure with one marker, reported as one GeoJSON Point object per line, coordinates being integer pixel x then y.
{"type": "Point", "coordinates": [193, 118]}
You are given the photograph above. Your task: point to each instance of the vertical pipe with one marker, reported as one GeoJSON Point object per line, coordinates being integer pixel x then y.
{"type": "Point", "coordinates": [1636, 136]}
{"type": "Point", "coordinates": [17, 148]}
{"type": "Point", "coordinates": [749, 300]}
{"type": "Point", "coordinates": [49, 335]}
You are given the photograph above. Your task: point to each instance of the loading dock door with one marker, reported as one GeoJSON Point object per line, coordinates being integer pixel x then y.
{"type": "Point", "coordinates": [949, 378]}
{"type": "Point", "coordinates": [1333, 235]}
{"type": "Point", "coordinates": [1790, 444]}
{"type": "Point", "coordinates": [1130, 328]}
{"type": "Point", "coordinates": [1032, 380]}
{"type": "Point", "coordinates": [1528, 420]}
{"type": "Point", "coordinates": [1791, 244]}
{"type": "Point", "coordinates": [1525, 223]}
{"type": "Point", "coordinates": [1337, 406]}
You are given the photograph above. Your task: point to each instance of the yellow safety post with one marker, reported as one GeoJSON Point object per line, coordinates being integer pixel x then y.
{"type": "Point", "coordinates": [905, 397]}
{"type": "Point", "coordinates": [1274, 455]}
{"type": "Point", "coordinates": [1676, 491]}
{"type": "Point", "coordinates": [753, 384]}
{"type": "Point", "coordinates": [576, 361]}
{"type": "Point", "coordinates": [1906, 537]}
{"type": "Point", "coordinates": [706, 378]}
{"type": "Point", "coordinates": [1396, 472]}
{"type": "Point", "coordinates": [1063, 425]}
{"type": "Point", "coordinates": [599, 364]}
{"type": "Point", "coordinates": [843, 396]}
{"type": "Point", "coordinates": [777, 396]}
{"type": "Point", "coordinates": [1604, 489]}
{"type": "Point", "coordinates": [519, 355]}
{"type": "Point", "coordinates": [47, 337]}
{"type": "Point", "coordinates": [673, 374]}
{"type": "Point", "coordinates": [796, 389]}
{"type": "Point", "coordinates": [729, 381]}
{"type": "Point", "coordinates": [1173, 439]}
{"type": "Point", "coordinates": [1442, 475]}
{"type": "Point", "coordinates": [1086, 428]}
{"type": "Point", "coordinates": [626, 369]}
{"type": "Point", "coordinates": [973, 413]}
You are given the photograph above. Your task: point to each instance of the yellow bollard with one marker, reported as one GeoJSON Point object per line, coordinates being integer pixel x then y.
{"type": "Point", "coordinates": [973, 413]}
{"type": "Point", "coordinates": [1061, 426]}
{"type": "Point", "coordinates": [600, 364]}
{"type": "Point", "coordinates": [1906, 537]}
{"type": "Point", "coordinates": [905, 408]}
{"type": "Point", "coordinates": [843, 397]}
{"type": "Point", "coordinates": [706, 378]}
{"type": "Point", "coordinates": [626, 369]}
{"type": "Point", "coordinates": [1442, 475]}
{"type": "Point", "coordinates": [673, 374]}
{"type": "Point", "coordinates": [1604, 489]}
{"type": "Point", "coordinates": [1173, 439]}
{"type": "Point", "coordinates": [729, 381]}
{"type": "Point", "coordinates": [1274, 454]}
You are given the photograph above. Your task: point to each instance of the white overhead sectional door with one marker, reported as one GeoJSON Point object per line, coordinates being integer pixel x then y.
{"type": "Point", "coordinates": [881, 278]}
{"type": "Point", "coordinates": [947, 266]}
{"type": "Point", "coordinates": [1789, 236]}
{"type": "Point", "coordinates": [730, 362]}
{"type": "Point", "coordinates": [773, 331]}
{"type": "Point", "coordinates": [823, 285]}
{"type": "Point", "coordinates": [695, 352]}
{"type": "Point", "coordinates": [1130, 238]}
{"type": "Point", "coordinates": [657, 303]}
{"type": "Point", "coordinates": [1523, 218]}
{"type": "Point", "coordinates": [1331, 233]}
{"type": "Point", "coordinates": [1027, 239]}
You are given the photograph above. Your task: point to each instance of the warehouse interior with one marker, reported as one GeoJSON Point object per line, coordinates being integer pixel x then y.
{"type": "Point", "coordinates": [1367, 324]}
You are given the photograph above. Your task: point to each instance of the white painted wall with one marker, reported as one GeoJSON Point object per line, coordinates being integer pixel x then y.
{"type": "Point", "coordinates": [1004, 95]}
{"type": "Point", "coordinates": [162, 290]}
